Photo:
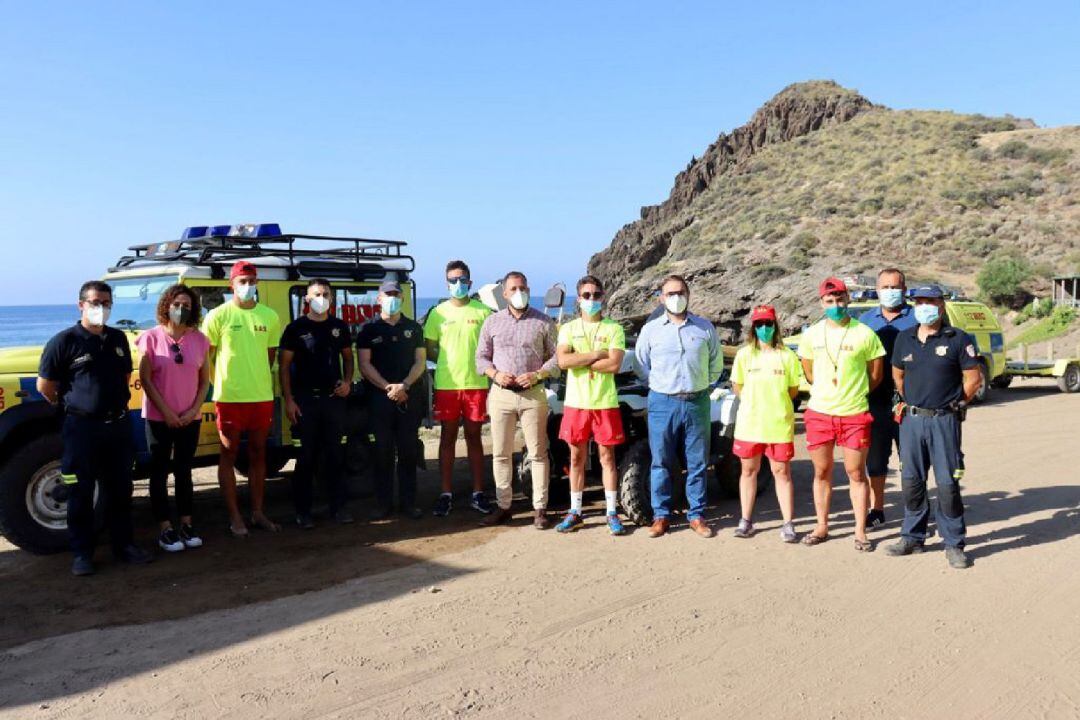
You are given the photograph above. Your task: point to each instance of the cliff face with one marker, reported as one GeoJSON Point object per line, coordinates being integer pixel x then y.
{"type": "Point", "coordinates": [821, 181]}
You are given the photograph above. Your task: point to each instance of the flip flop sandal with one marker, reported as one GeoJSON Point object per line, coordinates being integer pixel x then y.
{"type": "Point", "coordinates": [864, 545]}
{"type": "Point", "coordinates": [812, 539]}
{"type": "Point", "coordinates": [265, 524]}
{"type": "Point", "coordinates": [238, 533]}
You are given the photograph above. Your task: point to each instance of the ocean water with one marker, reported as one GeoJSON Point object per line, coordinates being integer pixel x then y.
{"type": "Point", "coordinates": [35, 324]}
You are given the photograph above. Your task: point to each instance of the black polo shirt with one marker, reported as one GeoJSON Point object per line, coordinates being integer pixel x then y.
{"type": "Point", "coordinates": [92, 369]}
{"type": "Point", "coordinates": [934, 370]}
{"type": "Point", "coordinates": [316, 349]}
{"type": "Point", "coordinates": [393, 347]}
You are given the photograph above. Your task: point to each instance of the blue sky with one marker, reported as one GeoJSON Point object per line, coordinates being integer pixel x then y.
{"type": "Point", "coordinates": [509, 134]}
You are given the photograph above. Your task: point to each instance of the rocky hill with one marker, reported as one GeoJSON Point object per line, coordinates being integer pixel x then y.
{"type": "Point", "coordinates": [822, 181]}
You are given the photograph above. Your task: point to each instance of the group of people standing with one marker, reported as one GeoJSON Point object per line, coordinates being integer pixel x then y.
{"type": "Point", "coordinates": [492, 365]}
{"type": "Point", "coordinates": [859, 405]}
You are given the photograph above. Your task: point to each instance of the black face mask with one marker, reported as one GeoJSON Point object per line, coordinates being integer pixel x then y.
{"type": "Point", "coordinates": [181, 316]}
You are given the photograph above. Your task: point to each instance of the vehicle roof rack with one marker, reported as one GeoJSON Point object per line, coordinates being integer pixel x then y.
{"type": "Point", "coordinates": [216, 251]}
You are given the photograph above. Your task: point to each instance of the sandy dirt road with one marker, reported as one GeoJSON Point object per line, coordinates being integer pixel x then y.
{"type": "Point", "coordinates": [527, 624]}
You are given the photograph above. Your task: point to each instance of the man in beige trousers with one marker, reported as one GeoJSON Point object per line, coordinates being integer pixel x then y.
{"type": "Point", "coordinates": [517, 351]}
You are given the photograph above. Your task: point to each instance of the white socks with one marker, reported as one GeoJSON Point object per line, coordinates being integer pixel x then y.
{"type": "Point", "coordinates": [610, 497]}
{"type": "Point", "coordinates": [575, 502]}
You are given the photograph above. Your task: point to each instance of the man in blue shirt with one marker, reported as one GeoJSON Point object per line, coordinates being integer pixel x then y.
{"type": "Point", "coordinates": [681, 354]}
{"type": "Point", "coordinates": [936, 369]}
{"type": "Point", "coordinates": [890, 318]}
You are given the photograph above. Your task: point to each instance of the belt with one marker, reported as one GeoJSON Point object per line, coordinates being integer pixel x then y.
{"type": "Point", "coordinates": [687, 395]}
{"type": "Point", "coordinates": [927, 412]}
{"type": "Point", "coordinates": [107, 417]}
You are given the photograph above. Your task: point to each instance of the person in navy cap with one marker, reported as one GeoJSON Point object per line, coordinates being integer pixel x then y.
{"type": "Point", "coordinates": [936, 372]}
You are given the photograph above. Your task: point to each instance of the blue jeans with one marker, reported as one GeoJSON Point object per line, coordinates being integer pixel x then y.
{"type": "Point", "coordinates": [676, 424]}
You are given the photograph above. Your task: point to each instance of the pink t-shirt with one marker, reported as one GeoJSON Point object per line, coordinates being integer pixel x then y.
{"type": "Point", "coordinates": [178, 383]}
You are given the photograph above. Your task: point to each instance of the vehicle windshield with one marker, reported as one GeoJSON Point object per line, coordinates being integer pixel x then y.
{"type": "Point", "coordinates": [135, 301]}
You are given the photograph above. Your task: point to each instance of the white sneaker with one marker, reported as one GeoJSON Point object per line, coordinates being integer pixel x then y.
{"type": "Point", "coordinates": [169, 541]}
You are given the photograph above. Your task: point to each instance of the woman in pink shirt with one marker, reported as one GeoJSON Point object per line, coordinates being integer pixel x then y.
{"type": "Point", "coordinates": [175, 377]}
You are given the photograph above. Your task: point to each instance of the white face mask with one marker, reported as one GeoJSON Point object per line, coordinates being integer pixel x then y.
{"type": "Point", "coordinates": [245, 291]}
{"type": "Point", "coordinates": [675, 304]}
{"type": "Point", "coordinates": [96, 315]}
{"type": "Point", "coordinates": [319, 304]}
{"type": "Point", "coordinates": [519, 300]}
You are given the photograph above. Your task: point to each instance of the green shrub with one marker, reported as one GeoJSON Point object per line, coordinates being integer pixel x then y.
{"type": "Point", "coordinates": [1001, 277]}
{"type": "Point", "coordinates": [1013, 149]}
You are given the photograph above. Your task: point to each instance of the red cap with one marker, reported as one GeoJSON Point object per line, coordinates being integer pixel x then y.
{"type": "Point", "coordinates": [763, 312]}
{"type": "Point", "coordinates": [242, 267]}
{"type": "Point", "coordinates": [831, 285]}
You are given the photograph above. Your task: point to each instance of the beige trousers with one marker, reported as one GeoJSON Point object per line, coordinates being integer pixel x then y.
{"type": "Point", "coordinates": [507, 409]}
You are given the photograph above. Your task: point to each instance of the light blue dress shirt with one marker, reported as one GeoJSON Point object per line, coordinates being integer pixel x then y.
{"type": "Point", "coordinates": [679, 358]}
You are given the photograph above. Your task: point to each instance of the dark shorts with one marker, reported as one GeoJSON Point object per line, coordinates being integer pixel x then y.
{"type": "Point", "coordinates": [605, 426]}
{"type": "Point", "coordinates": [244, 416]}
{"type": "Point", "coordinates": [884, 435]}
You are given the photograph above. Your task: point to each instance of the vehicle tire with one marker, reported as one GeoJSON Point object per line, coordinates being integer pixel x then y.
{"type": "Point", "coordinates": [33, 500]}
{"type": "Point", "coordinates": [558, 485]}
{"type": "Point", "coordinates": [1001, 382]}
{"type": "Point", "coordinates": [635, 496]}
{"type": "Point", "coordinates": [1070, 380]}
{"type": "Point", "coordinates": [984, 388]}
{"type": "Point", "coordinates": [728, 470]}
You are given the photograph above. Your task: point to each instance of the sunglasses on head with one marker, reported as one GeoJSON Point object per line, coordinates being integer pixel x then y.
{"type": "Point", "coordinates": [591, 295]}
{"type": "Point", "coordinates": [178, 356]}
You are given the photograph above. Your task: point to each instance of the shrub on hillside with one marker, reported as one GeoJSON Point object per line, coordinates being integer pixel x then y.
{"type": "Point", "coordinates": [1001, 277]}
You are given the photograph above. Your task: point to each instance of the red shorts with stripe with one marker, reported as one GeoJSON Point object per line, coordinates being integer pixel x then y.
{"type": "Point", "coordinates": [605, 426]}
{"type": "Point", "coordinates": [244, 416]}
{"type": "Point", "coordinates": [452, 405]}
{"type": "Point", "coordinates": [780, 452]}
{"type": "Point", "coordinates": [847, 431]}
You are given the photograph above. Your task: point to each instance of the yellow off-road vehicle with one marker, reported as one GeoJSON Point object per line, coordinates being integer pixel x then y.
{"type": "Point", "coordinates": [33, 500]}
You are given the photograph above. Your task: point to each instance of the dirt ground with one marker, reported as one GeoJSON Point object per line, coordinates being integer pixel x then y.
{"type": "Point", "coordinates": [431, 618]}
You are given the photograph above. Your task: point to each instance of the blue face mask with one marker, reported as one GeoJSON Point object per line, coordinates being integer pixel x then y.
{"type": "Point", "coordinates": [836, 313]}
{"type": "Point", "coordinates": [392, 306]}
{"type": "Point", "coordinates": [891, 297]}
{"type": "Point", "coordinates": [765, 333]}
{"type": "Point", "coordinates": [590, 307]}
{"type": "Point", "coordinates": [459, 288]}
{"type": "Point", "coordinates": [927, 314]}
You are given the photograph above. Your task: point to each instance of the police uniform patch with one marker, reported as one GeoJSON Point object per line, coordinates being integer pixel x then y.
{"type": "Point", "coordinates": [119, 351]}
{"type": "Point", "coordinates": [941, 350]}
{"type": "Point", "coordinates": [407, 333]}
{"type": "Point", "coordinates": [336, 332]}
{"type": "Point", "coordinates": [970, 350]}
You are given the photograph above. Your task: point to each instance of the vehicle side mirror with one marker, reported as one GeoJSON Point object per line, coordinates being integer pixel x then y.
{"type": "Point", "coordinates": [555, 297]}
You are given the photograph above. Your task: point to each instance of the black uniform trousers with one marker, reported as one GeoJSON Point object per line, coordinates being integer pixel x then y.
{"type": "Point", "coordinates": [395, 427]}
{"type": "Point", "coordinates": [98, 453]}
{"type": "Point", "coordinates": [932, 443]}
{"type": "Point", "coordinates": [321, 431]}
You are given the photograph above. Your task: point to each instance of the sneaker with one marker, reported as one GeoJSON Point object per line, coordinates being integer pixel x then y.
{"type": "Point", "coordinates": [745, 529]}
{"type": "Point", "coordinates": [788, 534]}
{"type": "Point", "coordinates": [875, 518]}
{"type": "Point", "coordinates": [82, 565]}
{"type": "Point", "coordinates": [614, 524]}
{"type": "Point", "coordinates": [170, 541]}
{"type": "Point", "coordinates": [570, 523]}
{"type": "Point", "coordinates": [344, 517]}
{"type": "Point", "coordinates": [189, 537]}
{"type": "Point", "coordinates": [443, 505]}
{"type": "Point", "coordinates": [905, 546]}
{"type": "Point", "coordinates": [957, 558]}
{"type": "Point", "coordinates": [481, 504]}
{"type": "Point", "coordinates": [305, 521]}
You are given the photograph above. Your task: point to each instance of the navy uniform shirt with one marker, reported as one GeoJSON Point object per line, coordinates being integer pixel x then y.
{"type": "Point", "coordinates": [92, 369]}
{"type": "Point", "coordinates": [393, 346]}
{"type": "Point", "coordinates": [887, 331]}
{"type": "Point", "coordinates": [934, 370]}
{"type": "Point", "coordinates": [316, 348]}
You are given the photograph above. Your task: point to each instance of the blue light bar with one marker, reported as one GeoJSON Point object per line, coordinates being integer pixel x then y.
{"type": "Point", "coordinates": [219, 230]}
{"type": "Point", "coordinates": [252, 230]}
{"type": "Point", "coordinates": [195, 231]}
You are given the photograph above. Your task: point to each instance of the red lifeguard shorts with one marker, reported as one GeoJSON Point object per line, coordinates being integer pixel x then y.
{"type": "Point", "coordinates": [848, 431]}
{"type": "Point", "coordinates": [452, 405]}
{"type": "Point", "coordinates": [605, 426]}
{"type": "Point", "coordinates": [780, 452]}
{"type": "Point", "coordinates": [244, 416]}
